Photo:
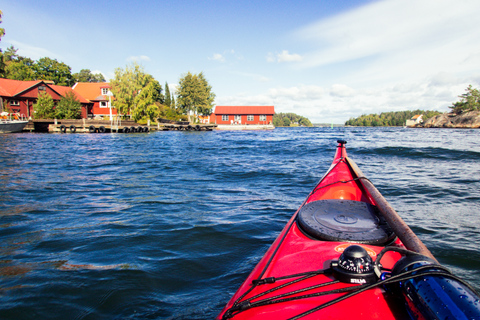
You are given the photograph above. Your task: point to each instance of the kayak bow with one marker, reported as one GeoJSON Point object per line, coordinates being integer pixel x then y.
{"type": "Point", "coordinates": [346, 254]}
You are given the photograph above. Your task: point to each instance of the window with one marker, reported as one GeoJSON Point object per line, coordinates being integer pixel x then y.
{"type": "Point", "coordinates": [104, 91]}
{"type": "Point", "coordinates": [250, 117]}
{"type": "Point", "coordinates": [225, 117]}
{"type": "Point", "coordinates": [14, 103]}
{"type": "Point", "coordinates": [238, 117]}
{"type": "Point", "coordinates": [103, 104]}
{"type": "Point", "coordinates": [263, 117]}
{"type": "Point", "coordinates": [42, 88]}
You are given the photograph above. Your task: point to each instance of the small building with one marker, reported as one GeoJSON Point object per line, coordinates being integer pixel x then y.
{"type": "Point", "coordinates": [100, 97]}
{"type": "Point", "coordinates": [243, 115]}
{"type": "Point", "coordinates": [20, 96]}
{"type": "Point", "coordinates": [416, 119]}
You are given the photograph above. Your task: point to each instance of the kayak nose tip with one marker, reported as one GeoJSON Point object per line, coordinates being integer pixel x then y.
{"type": "Point", "coordinates": [342, 142]}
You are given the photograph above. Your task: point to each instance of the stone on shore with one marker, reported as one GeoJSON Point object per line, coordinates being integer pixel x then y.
{"type": "Point", "coordinates": [467, 120]}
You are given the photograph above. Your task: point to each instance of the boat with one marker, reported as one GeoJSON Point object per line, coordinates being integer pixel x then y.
{"type": "Point", "coordinates": [12, 122]}
{"type": "Point", "coordinates": [346, 254]}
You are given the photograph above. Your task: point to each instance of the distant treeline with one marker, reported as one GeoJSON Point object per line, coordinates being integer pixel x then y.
{"type": "Point", "coordinates": [290, 119]}
{"type": "Point", "coordinates": [393, 119]}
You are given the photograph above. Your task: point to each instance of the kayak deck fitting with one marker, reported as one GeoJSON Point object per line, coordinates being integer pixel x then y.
{"type": "Point", "coordinates": [346, 254]}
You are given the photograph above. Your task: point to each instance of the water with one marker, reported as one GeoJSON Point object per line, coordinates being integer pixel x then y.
{"type": "Point", "coordinates": [167, 225]}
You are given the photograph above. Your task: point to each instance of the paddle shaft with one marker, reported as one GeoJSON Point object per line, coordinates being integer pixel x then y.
{"type": "Point", "coordinates": [401, 229]}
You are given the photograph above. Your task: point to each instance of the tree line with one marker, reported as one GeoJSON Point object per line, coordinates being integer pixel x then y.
{"type": "Point", "coordinates": [388, 119]}
{"type": "Point", "coordinates": [469, 101]}
{"type": "Point", "coordinates": [290, 119]}
{"type": "Point", "coordinates": [136, 93]}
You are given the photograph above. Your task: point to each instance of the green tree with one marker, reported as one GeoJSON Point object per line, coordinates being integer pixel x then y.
{"type": "Point", "coordinates": [136, 92]}
{"type": "Point", "coordinates": [2, 63]}
{"type": "Point", "coordinates": [168, 99]}
{"type": "Point", "coordinates": [194, 94]}
{"type": "Point", "coordinates": [469, 101]}
{"type": "Point", "coordinates": [2, 30]}
{"type": "Point", "coordinates": [44, 108]}
{"type": "Point", "coordinates": [20, 68]}
{"type": "Point", "coordinates": [286, 122]}
{"type": "Point", "coordinates": [85, 75]}
{"type": "Point", "coordinates": [51, 69]}
{"type": "Point", "coordinates": [69, 107]}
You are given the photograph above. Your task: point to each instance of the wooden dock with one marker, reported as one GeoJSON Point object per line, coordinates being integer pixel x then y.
{"type": "Point", "coordinates": [107, 126]}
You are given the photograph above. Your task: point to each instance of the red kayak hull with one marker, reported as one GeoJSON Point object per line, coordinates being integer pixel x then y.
{"type": "Point", "coordinates": [294, 252]}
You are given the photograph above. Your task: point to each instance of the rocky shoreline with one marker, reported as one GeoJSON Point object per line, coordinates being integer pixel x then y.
{"type": "Point", "coordinates": [467, 120]}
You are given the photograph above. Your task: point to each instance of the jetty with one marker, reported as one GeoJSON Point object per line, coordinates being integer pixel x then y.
{"type": "Point", "coordinates": [107, 126]}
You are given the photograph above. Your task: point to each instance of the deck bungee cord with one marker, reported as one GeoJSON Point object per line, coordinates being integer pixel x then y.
{"type": "Point", "coordinates": [385, 279]}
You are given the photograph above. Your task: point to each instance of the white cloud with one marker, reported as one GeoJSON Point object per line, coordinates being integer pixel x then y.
{"type": "Point", "coordinates": [341, 90]}
{"type": "Point", "coordinates": [397, 39]}
{"type": "Point", "coordinates": [217, 57]}
{"type": "Point", "coordinates": [32, 52]}
{"type": "Point", "coordinates": [283, 56]}
{"type": "Point", "coordinates": [138, 58]}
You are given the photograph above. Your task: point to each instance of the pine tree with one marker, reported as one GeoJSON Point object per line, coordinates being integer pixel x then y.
{"type": "Point", "coordinates": [168, 100]}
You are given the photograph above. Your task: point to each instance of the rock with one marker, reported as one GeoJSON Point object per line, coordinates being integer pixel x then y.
{"type": "Point", "coordinates": [469, 119]}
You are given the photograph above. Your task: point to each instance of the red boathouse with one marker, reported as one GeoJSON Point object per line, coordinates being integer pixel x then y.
{"type": "Point", "coordinates": [244, 115]}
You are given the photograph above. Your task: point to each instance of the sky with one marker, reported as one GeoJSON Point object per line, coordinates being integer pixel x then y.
{"type": "Point", "coordinates": [325, 60]}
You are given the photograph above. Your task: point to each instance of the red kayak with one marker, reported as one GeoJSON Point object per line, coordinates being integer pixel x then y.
{"type": "Point", "coordinates": [346, 254]}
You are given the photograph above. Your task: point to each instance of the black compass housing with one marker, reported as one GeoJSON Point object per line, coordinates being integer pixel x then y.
{"type": "Point", "coordinates": [354, 266]}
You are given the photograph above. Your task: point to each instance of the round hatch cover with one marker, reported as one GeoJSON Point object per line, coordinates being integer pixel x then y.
{"type": "Point", "coordinates": [344, 220]}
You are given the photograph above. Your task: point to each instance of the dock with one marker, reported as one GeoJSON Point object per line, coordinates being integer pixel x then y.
{"type": "Point", "coordinates": [107, 126]}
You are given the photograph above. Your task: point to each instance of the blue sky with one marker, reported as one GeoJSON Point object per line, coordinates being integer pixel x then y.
{"type": "Point", "coordinates": [325, 60]}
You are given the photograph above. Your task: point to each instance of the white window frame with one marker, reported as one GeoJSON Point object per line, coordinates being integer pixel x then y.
{"type": "Point", "coordinates": [250, 117]}
{"type": "Point", "coordinates": [104, 91]}
{"type": "Point", "coordinates": [262, 117]}
{"type": "Point", "coordinates": [238, 117]}
{"type": "Point", "coordinates": [14, 103]}
{"type": "Point", "coordinates": [224, 117]}
{"type": "Point", "coordinates": [103, 104]}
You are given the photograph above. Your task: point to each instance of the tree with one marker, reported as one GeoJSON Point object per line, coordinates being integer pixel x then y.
{"type": "Point", "coordinates": [469, 101]}
{"type": "Point", "coordinates": [2, 63]}
{"type": "Point", "coordinates": [51, 69]}
{"type": "Point", "coordinates": [69, 107]}
{"type": "Point", "coordinates": [136, 92]}
{"type": "Point", "coordinates": [85, 75]}
{"type": "Point", "coordinates": [195, 94]}
{"type": "Point", "coordinates": [2, 30]}
{"type": "Point", "coordinates": [44, 108]}
{"type": "Point", "coordinates": [168, 99]}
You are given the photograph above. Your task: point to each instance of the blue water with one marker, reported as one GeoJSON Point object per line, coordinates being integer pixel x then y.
{"type": "Point", "coordinates": [167, 225]}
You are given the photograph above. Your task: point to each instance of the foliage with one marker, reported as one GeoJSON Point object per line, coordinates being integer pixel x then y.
{"type": "Point", "coordinates": [195, 94]}
{"type": "Point", "coordinates": [136, 92]}
{"type": "Point", "coordinates": [16, 67]}
{"type": "Point", "coordinates": [44, 108]}
{"type": "Point", "coordinates": [85, 75]}
{"type": "Point", "coordinates": [51, 69]}
{"type": "Point", "coordinates": [393, 119]}
{"type": "Point", "coordinates": [2, 63]}
{"type": "Point", "coordinates": [69, 107]}
{"type": "Point", "coordinates": [469, 101]}
{"type": "Point", "coordinates": [168, 99]}
{"type": "Point", "coordinates": [286, 120]}
{"type": "Point", "coordinates": [2, 30]}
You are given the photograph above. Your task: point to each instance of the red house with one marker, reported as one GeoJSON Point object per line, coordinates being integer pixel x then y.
{"type": "Point", "coordinates": [20, 96]}
{"type": "Point", "coordinates": [99, 95]}
{"type": "Point", "coordinates": [244, 115]}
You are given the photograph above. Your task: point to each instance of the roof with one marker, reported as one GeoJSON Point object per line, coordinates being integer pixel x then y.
{"type": "Point", "coordinates": [10, 88]}
{"type": "Point", "coordinates": [91, 90]}
{"type": "Point", "coordinates": [244, 110]}
{"type": "Point", "coordinates": [416, 116]}
{"type": "Point", "coordinates": [63, 91]}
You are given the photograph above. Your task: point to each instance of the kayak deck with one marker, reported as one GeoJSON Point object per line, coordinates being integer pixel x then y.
{"type": "Point", "coordinates": [295, 254]}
